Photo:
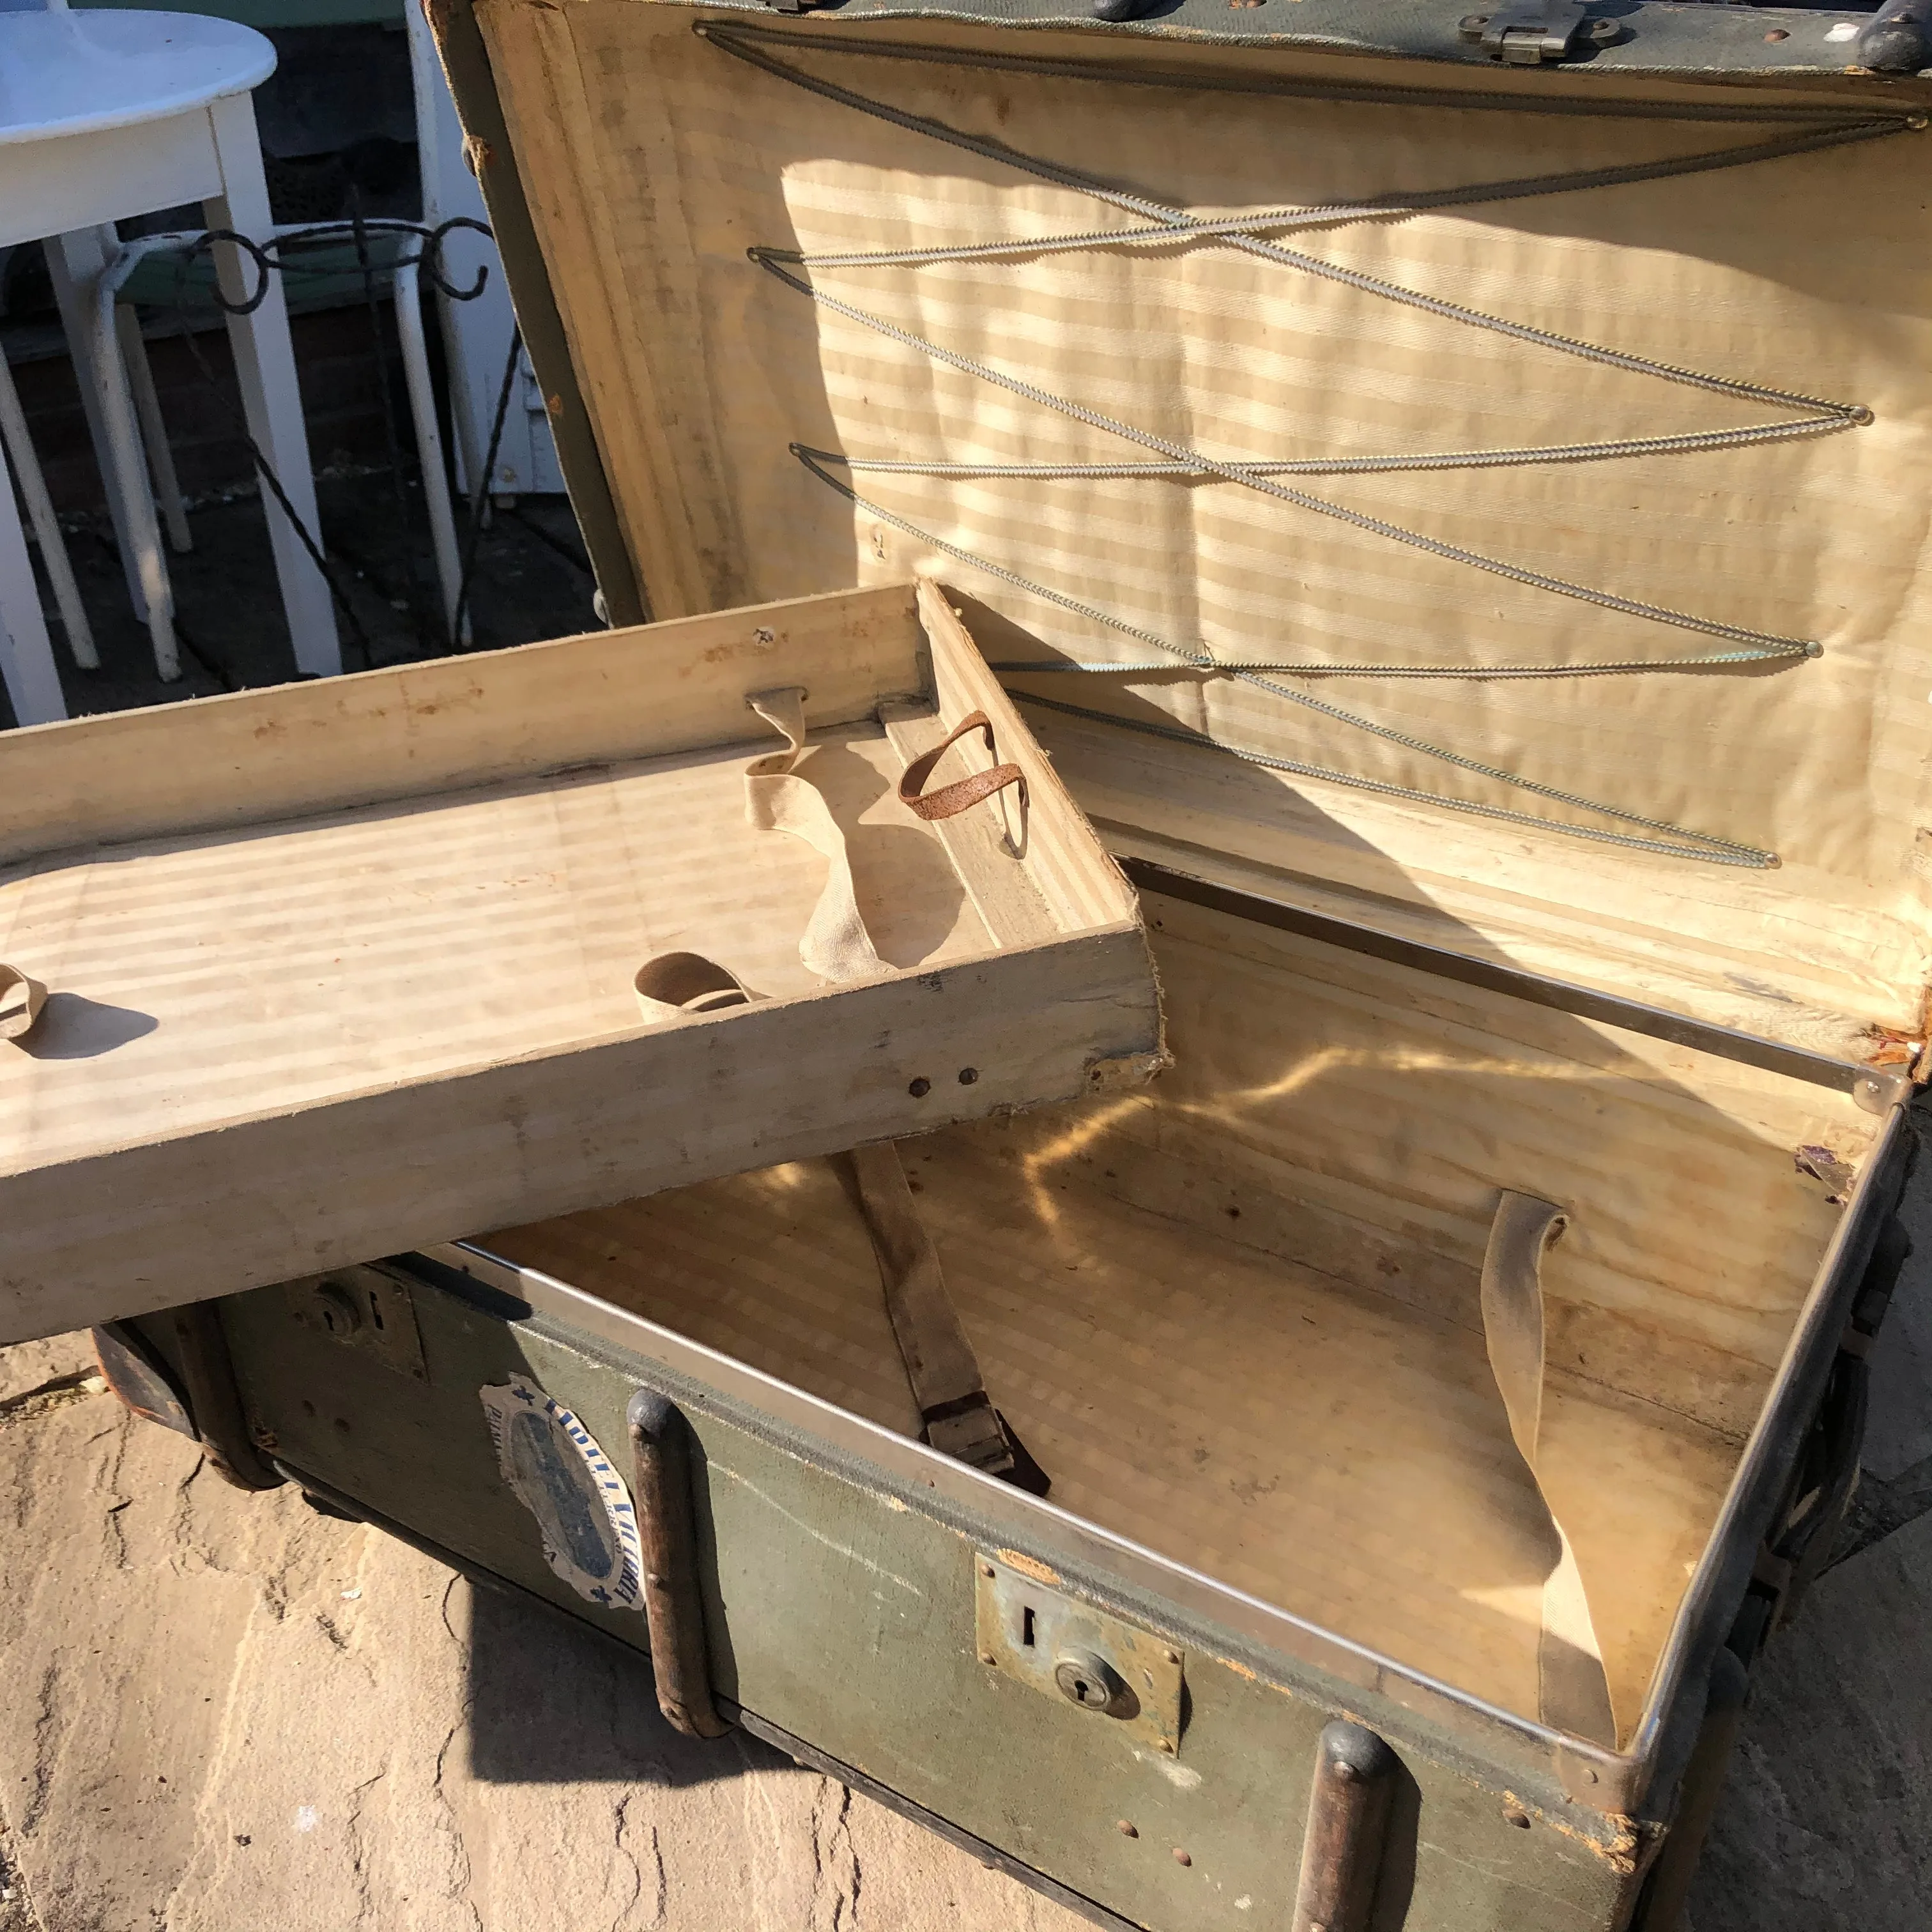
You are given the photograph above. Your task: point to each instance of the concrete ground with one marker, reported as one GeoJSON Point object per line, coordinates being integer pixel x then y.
{"type": "Point", "coordinates": [221, 1711]}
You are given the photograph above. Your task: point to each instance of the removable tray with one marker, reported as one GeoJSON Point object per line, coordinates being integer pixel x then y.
{"type": "Point", "coordinates": [337, 969]}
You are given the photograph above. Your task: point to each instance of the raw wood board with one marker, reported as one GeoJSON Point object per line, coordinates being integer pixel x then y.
{"type": "Point", "coordinates": [399, 999]}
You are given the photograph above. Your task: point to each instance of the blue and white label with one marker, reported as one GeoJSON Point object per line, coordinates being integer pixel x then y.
{"type": "Point", "coordinates": [581, 1503]}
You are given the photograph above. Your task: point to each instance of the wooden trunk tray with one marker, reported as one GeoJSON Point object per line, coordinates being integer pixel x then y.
{"type": "Point", "coordinates": [339, 968]}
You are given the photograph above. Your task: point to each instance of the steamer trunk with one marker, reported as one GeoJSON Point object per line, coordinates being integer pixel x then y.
{"type": "Point", "coordinates": [1448, 494]}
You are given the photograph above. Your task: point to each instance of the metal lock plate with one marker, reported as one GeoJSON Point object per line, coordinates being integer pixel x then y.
{"type": "Point", "coordinates": [1087, 1660]}
{"type": "Point", "coordinates": [367, 1309]}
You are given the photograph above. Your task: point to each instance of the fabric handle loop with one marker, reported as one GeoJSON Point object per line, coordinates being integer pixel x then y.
{"type": "Point", "coordinates": [687, 982]}
{"type": "Point", "coordinates": [950, 800]}
{"type": "Point", "coordinates": [21, 1000]}
{"type": "Point", "coordinates": [1573, 1689]}
{"type": "Point", "coordinates": [836, 946]}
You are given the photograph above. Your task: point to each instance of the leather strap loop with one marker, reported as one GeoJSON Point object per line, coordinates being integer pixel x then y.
{"type": "Point", "coordinates": [950, 800]}
{"type": "Point", "coordinates": [1574, 1691]}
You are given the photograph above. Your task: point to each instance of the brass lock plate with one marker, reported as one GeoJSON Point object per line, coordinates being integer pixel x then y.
{"type": "Point", "coordinates": [1095, 1665]}
{"type": "Point", "coordinates": [367, 1309]}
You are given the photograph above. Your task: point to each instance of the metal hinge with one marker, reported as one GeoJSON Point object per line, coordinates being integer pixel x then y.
{"type": "Point", "coordinates": [1533, 33]}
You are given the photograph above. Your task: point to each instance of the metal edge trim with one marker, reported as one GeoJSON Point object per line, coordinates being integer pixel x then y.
{"type": "Point", "coordinates": [1691, 41]}
{"type": "Point", "coordinates": [1702, 1619]}
{"type": "Point", "coordinates": [1605, 1785]}
{"type": "Point", "coordinates": [1769, 1056]}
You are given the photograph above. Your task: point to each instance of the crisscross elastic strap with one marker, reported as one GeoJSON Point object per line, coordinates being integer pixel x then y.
{"type": "Point", "coordinates": [1573, 1692]}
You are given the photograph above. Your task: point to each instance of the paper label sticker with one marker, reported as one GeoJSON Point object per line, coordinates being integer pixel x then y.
{"type": "Point", "coordinates": [581, 1503]}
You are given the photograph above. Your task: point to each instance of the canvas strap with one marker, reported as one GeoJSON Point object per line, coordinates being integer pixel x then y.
{"type": "Point", "coordinates": [836, 946]}
{"type": "Point", "coordinates": [957, 1415]}
{"type": "Point", "coordinates": [1573, 1692]}
{"type": "Point", "coordinates": [21, 1000]}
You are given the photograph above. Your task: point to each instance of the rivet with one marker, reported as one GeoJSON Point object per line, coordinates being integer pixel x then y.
{"type": "Point", "coordinates": [967, 1075]}
{"type": "Point", "coordinates": [1172, 1656]}
{"type": "Point", "coordinates": [1777, 34]}
{"type": "Point", "coordinates": [1167, 1745]}
{"type": "Point", "coordinates": [1181, 1858]}
{"type": "Point", "coordinates": [920, 1088]}
{"type": "Point", "coordinates": [1520, 1820]}
{"type": "Point", "coordinates": [1126, 1829]}
{"type": "Point", "coordinates": [987, 1657]}
{"type": "Point", "coordinates": [987, 1570]}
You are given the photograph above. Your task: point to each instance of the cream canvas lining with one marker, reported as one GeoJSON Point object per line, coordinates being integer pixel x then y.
{"type": "Point", "coordinates": [1236, 1315]}
{"type": "Point", "coordinates": [654, 161]}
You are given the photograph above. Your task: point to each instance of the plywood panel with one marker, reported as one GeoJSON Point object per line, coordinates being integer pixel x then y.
{"type": "Point", "coordinates": [399, 943]}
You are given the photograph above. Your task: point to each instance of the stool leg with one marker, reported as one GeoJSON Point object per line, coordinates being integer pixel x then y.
{"type": "Point", "coordinates": [20, 452]}
{"type": "Point", "coordinates": [27, 666]}
{"type": "Point", "coordinates": [85, 259]}
{"type": "Point", "coordinates": [73, 261]}
{"type": "Point", "coordinates": [153, 431]}
{"type": "Point", "coordinates": [265, 364]}
{"type": "Point", "coordinates": [429, 447]}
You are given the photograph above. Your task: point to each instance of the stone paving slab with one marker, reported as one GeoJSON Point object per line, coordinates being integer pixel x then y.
{"type": "Point", "coordinates": [1826, 1823]}
{"type": "Point", "coordinates": [223, 1712]}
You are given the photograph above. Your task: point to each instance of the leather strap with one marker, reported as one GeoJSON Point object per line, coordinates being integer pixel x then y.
{"type": "Point", "coordinates": [1573, 1692]}
{"type": "Point", "coordinates": [958, 1414]}
{"type": "Point", "coordinates": [950, 800]}
{"type": "Point", "coordinates": [21, 1000]}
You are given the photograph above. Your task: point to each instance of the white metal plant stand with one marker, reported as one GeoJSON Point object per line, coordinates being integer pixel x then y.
{"type": "Point", "coordinates": [108, 114]}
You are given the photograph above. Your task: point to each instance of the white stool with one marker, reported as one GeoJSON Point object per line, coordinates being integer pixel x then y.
{"type": "Point", "coordinates": [107, 114]}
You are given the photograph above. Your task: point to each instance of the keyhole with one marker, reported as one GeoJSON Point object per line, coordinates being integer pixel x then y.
{"type": "Point", "coordinates": [375, 1309]}
{"type": "Point", "coordinates": [1026, 1628]}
